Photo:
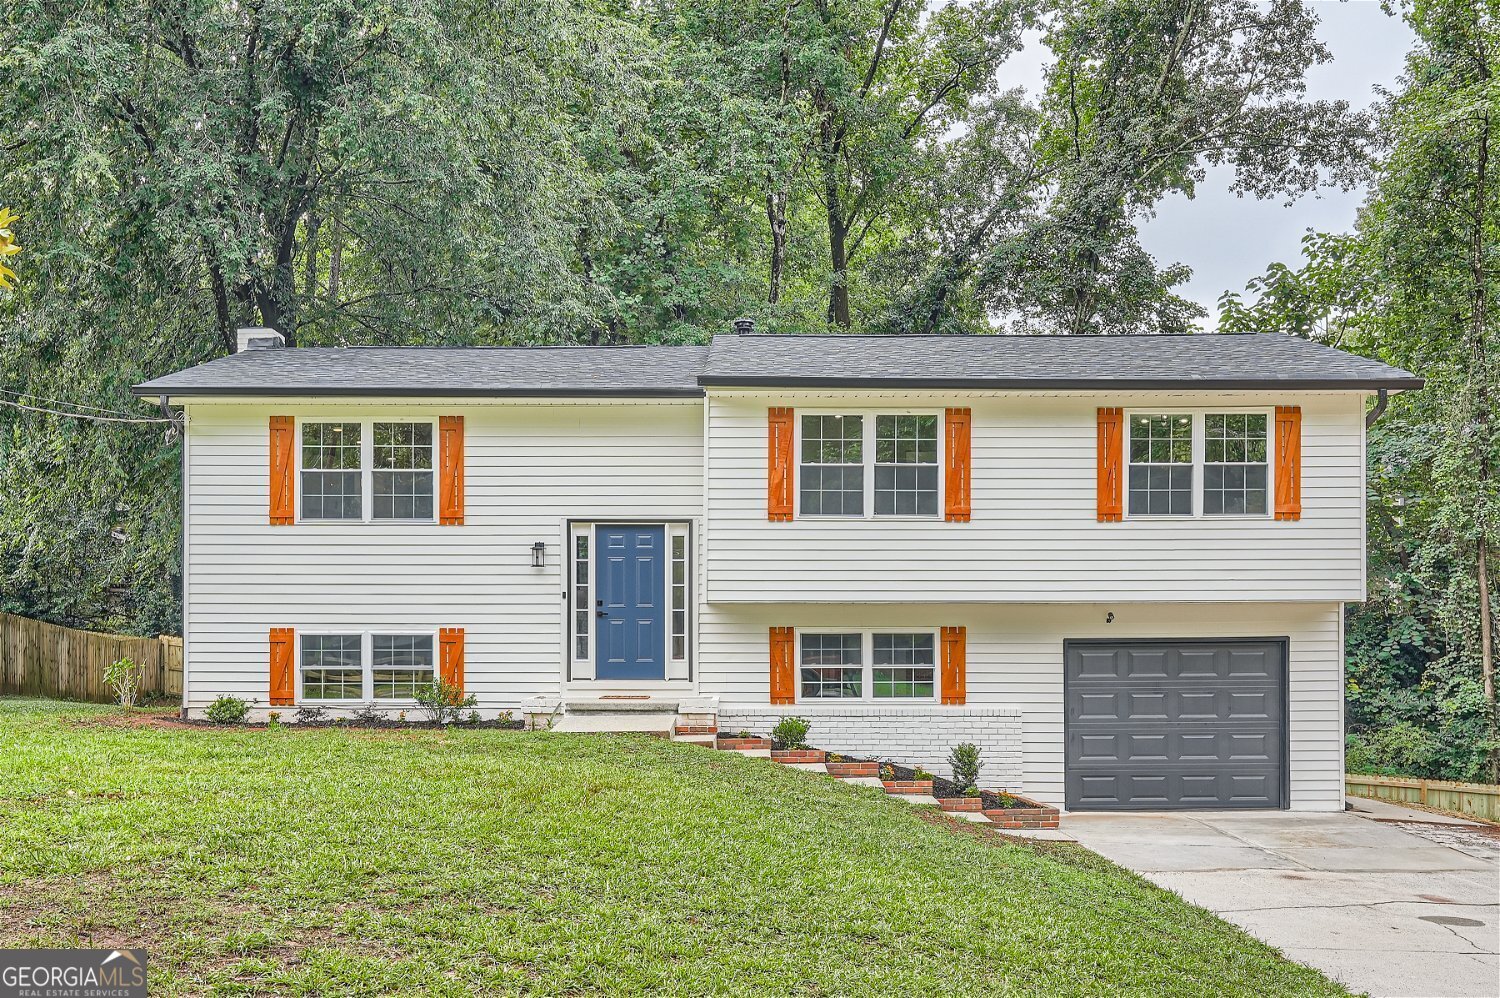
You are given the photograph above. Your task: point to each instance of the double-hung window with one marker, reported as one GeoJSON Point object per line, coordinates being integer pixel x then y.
{"type": "Point", "coordinates": [367, 470]}
{"type": "Point", "coordinates": [856, 465]}
{"type": "Point", "coordinates": [1199, 464]}
{"type": "Point", "coordinates": [867, 665]}
{"type": "Point", "coordinates": [360, 667]}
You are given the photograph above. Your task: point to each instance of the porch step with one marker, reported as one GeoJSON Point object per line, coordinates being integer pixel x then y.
{"type": "Point", "coordinates": [648, 722]}
{"type": "Point", "coordinates": [622, 705]}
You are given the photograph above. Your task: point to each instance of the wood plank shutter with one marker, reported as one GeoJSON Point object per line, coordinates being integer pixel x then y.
{"type": "Point", "coordinates": [956, 423]}
{"type": "Point", "coordinates": [955, 665]}
{"type": "Point", "coordinates": [1288, 462]}
{"type": "Point", "coordinates": [283, 446]}
{"type": "Point", "coordinates": [451, 461]}
{"type": "Point", "coordinates": [451, 656]}
{"type": "Point", "coordinates": [783, 671]}
{"type": "Point", "coordinates": [1111, 452]}
{"type": "Point", "coordinates": [779, 465]}
{"type": "Point", "coordinates": [283, 683]}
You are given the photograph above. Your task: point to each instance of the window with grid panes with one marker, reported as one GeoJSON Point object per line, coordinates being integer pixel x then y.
{"type": "Point", "coordinates": [1236, 464]}
{"type": "Point", "coordinates": [401, 486]}
{"type": "Point", "coordinates": [831, 478]}
{"type": "Point", "coordinates": [906, 465]}
{"type": "Point", "coordinates": [831, 666]}
{"type": "Point", "coordinates": [1161, 465]}
{"type": "Point", "coordinates": [332, 486]}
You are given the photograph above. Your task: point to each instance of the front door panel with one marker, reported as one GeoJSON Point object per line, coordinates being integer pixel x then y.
{"type": "Point", "coordinates": [629, 611]}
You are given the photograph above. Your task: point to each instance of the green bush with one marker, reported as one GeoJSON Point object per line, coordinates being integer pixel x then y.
{"type": "Point", "coordinates": [791, 732]}
{"type": "Point", "coordinates": [227, 710]}
{"type": "Point", "coordinates": [966, 763]}
{"type": "Point", "coordinates": [123, 677]}
{"type": "Point", "coordinates": [444, 703]}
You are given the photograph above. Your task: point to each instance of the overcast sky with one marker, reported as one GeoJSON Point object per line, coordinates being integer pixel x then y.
{"type": "Point", "coordinates": [1227, 240]}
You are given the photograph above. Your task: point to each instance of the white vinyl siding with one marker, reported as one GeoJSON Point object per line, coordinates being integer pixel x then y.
{"type": "Point", "coordinates": [1035, 535]}
{"type": "Point", "coordinates": [1015, 660]}
{"type": "Point", "coordinates": [530, 467]}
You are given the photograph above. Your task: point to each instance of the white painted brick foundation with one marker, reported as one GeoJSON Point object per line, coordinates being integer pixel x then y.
{"type": "Point", "coordinates": [910, 735]}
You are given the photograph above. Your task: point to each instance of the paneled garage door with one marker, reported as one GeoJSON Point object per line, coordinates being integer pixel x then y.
{"type": "Point", "coordinates": [1175, 724]}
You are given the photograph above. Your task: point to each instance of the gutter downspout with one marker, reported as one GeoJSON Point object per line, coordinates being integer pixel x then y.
{"type": "Point", "coordinates": [1382, 399]}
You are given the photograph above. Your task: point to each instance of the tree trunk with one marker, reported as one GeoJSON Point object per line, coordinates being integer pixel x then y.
{"type": "Point", "coordinates": [776, 215]}
{"type": "Point", "coordinates": [1487, 652]}
{"type": "Point", "coordinates": [838, 259]}
{"type": "Point", "coordinates": [1479, 396]}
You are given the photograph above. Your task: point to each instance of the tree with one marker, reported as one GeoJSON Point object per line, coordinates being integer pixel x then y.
{"type": "Point", "coordinates": [1143, 97]}
{"type": "Point", "coordinates": [1413, 285]}
{"type": "Point", "coordinates": [8, 247]}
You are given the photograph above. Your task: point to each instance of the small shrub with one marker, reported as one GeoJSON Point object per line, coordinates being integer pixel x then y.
{"type": "Point", "coordinates": [444, 703]}
{"type": "Point", "coordinates": [970, 791]}
{"type": "Point", "coordinates": [887, 772]}
{"type": "Point", "coordinates": [1006, 800]}
{"type": "Point", "coordinates": [965, 762]}
{"type": "Point", "coordinates": [791, 732]}
{"type": "Point", "coordinates": [369, 714]}
{"type": "Point", "coordinates": [743, 734]}
{"type": "Point", "coordinates": [312, 715]}
{"type": "Point", "coordinates": [227, 710]}
{"type": "Point", "coordinates": [274, 720]}
{"type": "Point", "coordinates": [505, 717]}
{"type": "Point", "coordinates": [921, 774]}
{"type": "Point", "coordinates": [473, 717]}
{"type": "Point", "coordinates": [124, 678]}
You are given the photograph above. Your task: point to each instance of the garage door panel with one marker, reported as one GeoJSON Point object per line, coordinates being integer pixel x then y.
{"type": "Point", "coordinates": [1174, 724]}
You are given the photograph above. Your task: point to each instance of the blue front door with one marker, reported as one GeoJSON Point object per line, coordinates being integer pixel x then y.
{"type": "Point", "coordinates": [630, 640]}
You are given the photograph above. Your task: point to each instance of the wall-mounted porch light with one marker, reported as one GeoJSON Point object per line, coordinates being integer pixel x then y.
{"type": "Point", "coordinates": [539, 554]}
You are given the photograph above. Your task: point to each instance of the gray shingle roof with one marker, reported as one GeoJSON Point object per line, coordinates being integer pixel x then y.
{"type": "Point", "coordinates": [443, 371]}
{"type": "Point", "coordinates": [1272, 360]}
{"type": "Point", "coordinates": [1063, 362]}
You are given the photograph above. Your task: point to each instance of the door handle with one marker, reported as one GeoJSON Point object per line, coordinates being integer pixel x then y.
{"type": "Point", "coordinates": [601, 613]}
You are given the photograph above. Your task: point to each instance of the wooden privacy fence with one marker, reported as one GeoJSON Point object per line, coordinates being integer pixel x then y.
{"type": "Point", "coordinates": [1478, 800]}
{"type": "Point", "coordinates": [47, 660]}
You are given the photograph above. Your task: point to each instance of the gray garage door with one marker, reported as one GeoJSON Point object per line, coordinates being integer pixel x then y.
{"type": "Point", "coordinates": [1175, 724]}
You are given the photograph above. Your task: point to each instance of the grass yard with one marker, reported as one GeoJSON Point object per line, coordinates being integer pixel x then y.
{"type": "Point", "coordinates": [369, 862]}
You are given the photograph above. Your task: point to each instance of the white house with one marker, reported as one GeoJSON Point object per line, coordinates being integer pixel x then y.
{"type": "Point", "coordinates": [1118, 564]}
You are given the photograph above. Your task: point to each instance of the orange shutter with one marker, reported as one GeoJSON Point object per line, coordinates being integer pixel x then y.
{"type": "Point", "coordinates": [1111, 454]}
{"type": "Point", "coordinates": [956, 485]}
{"type": "Point", "coordinates": [1288, 462]}
{"type": "Point", "coordinates": [283, 684]}
{"type": "Point", "coordinates": [779, 465]}
{"type": "Point", "coordinates": [283, 446]}
{"type": "Point", "coordinates": [451, 461]}
{"type": "Point", "coordinates": [451, 656]}
{"type": "Point", "coordinates": [955, 665]}
{"type": "Point", "coordinates": [783, 674]}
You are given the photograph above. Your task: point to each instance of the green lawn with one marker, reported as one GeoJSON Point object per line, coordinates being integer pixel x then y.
{"type": "Point", "coordinates": [344, 862]}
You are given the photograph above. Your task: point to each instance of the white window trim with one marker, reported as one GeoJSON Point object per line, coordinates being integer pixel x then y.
{"type": "Point", "coordinates": [867, 448]}
{"type": "Point", "coordinates": [583, 667]}
{"type": "Point", "coordinates": [1200, 451]}
{"type": "Point", "coordinates": [367, 468]}
{"type": "Point", "coordinates": [867, 665]}
{"type": "Point", "coordinates": [366, 665]}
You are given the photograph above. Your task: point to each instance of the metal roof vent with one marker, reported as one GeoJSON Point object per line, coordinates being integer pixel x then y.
{"type": "Point", "coordinates": [744, 327]}
{"type": "Point", "coordinates": [257, 338]}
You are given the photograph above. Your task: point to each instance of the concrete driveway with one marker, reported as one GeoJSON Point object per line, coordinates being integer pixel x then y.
{"type": "Point", "coordinates": [1360, 897]}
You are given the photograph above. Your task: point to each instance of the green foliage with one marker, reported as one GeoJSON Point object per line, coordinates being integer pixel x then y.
{"type": "Point", "coordinates": [1415, 285]}
{"type": "Point", "coordinates": [123, 677]}
{"type": "Point", "coordinates": [227, 710]}
{"type": "Point", "coordinates": [791, 732]}
{"type": "Point", "coordinates": [966, 763]}
{"type": "Point", "coordinates": [442, 702]}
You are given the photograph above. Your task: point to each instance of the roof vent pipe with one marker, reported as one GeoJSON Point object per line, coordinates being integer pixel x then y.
{"type": "Point", "coordinates": [744, 327]}
{"type": "Point", "coordinates": [257, 338]}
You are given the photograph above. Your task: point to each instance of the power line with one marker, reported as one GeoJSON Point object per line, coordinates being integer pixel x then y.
{"type": "Point", "coordinates": [82, 415]}
{"type": "Point", "coordinates": [70, 405]}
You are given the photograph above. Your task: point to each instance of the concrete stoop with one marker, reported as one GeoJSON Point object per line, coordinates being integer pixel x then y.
{"type": "Point", "coordinates": [686, 719]}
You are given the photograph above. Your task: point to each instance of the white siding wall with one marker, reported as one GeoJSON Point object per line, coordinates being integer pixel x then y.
{"type": "Point", "coordinates": [529, 468]}
{"type": "Point", "coordinates": [1034, 534]}
{"type": "Point", "coordinates": [1015, 659]}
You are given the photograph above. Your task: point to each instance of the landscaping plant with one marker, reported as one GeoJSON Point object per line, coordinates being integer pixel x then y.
{"type": "Point", "coordinates": [227, 710]}
{"type": "Point", "coordinates": [444, 703]}
{"type": "Point", "coordinates": [966, 764]}
{"type": "Point", "coordinates": [791, 732]}
{"type": "Point", "coordinates": [124, 677]}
